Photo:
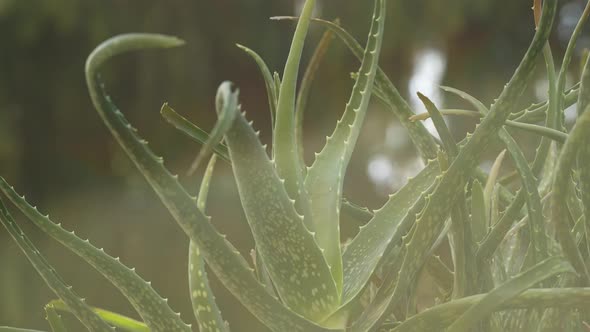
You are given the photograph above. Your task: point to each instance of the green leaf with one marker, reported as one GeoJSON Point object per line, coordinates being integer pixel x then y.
{"type": "Point", "coordinates": [269, 81]}
{"type": "Point", "coordinates": [460, 236]}
{"type": "Point", "coordinates": [577, 139]}
{"type": "Point", "coordinates": [201, 136]}
{"type": "Point", "coordinates": [79, 307]}
{"type": "Point", "coordinates": [225, 261]}
{"type": "Point", "coordinates": [479, 215]}
{"type": "Point", "coordinates": [148, 303]}
{"type": "Point", "coordinates": [553, 134]}
{"type": "Point", "coordinates": [430, 223]}
{"type": "Point", "coordinates": [386, 91]}
{"type": "Point", "coordinates": [306, 84]}
{"type": "Point", "coordinates": [57, 325]}
{"type": "Point", "coordinates": [205, 308]}
{"type": "Point", "coordinates": [384, 231]}
{"type": "Point", "coordinates": [286, 152]}
{"type": "Point", "coordinates": [529, 193]}
{"type": "Point", "coordinates": [295, 262]}
{"type": "Point", "coordinates": [15, 329]}
{"type": "Point", "coordinates": [584, 153]}
{"type": "Point", "coordinates": [325, 177]}
{"type": "Point", "coordinates": [121, 322]}
{"type": "Point", "coordinates": [509, 290]}
{"type": "Point", "coordinates": [439, 316]}
{"type": "Point", "coordinates": [192, 131]}
{"type": "Point", "coordinates": [224, 122]}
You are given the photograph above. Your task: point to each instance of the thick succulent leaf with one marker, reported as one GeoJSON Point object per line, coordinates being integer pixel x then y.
{"type": "Point", "coordinates": [148, 303]}
{"type": "Point", "coordinates": [460, 236]}
{"type": "Point", "coordinates": [269, 82]}
{"type": "Point", "coordinates": [286, 152]}
{"type": "Point", "coordinates": [584, 154]}
{"type": "Point", "coordinates": [225, 261]}
{"type": "Point", "coordinates": [387, 92]}
{"type": "Point", "coordinates": [205, 308]}
{"type": "Point", "coordinates": [306, 84]}
{"type": "Point", "coordinates": [325, 178]}
{"type": "Point", "coordinates": [289, 251]}
{"type": "Point", "coordinates": [431, 221]}
{"type": "Point", "coordinates": [54, 319]}
{"type": "Point", "coordinates": [529, 193]}
{"type": "Point", "coordinates": [439, 316]}
{"type": "Point", "coordinates": [578, 137]}
{"type": "Point", "coordinates": [384, 231]}
{"type": "Point", "coordinates": [224, 122]}
{"type": "Point", "coordinates": [119, 321]}
{"type": "Point", "coordinates": [192, 131]}
{"type": "Point", "coordinates": [493, 178]}
{"type": "Point", "coordinates": [504, 293]}
{"type": "Point", "coordinates": [543, 131]}
{"type": "Point", "coordinates": [16, 329]}
{"type": "Point", "coordinates": [78, 305]}
{"type": "Point", "coordinates": [200, 136]}
{"type": "Point", "coordinates": [479, 215]}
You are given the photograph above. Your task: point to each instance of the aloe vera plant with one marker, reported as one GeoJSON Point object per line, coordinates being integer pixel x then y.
{"type": "Point", "coordinates": [512, 268]}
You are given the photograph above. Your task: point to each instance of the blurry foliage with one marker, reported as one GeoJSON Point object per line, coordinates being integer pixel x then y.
{"type": "Point", "coordinates": [44, 105]}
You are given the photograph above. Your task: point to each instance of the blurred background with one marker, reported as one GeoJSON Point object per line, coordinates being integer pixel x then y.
{"type": "Point", "coordinates": [54, 148]}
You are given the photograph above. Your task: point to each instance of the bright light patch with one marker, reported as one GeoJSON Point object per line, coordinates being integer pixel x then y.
{"type": "Point", "coordinates": [429, 68]}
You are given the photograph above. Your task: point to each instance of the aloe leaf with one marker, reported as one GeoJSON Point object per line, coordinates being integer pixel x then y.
{"type": "Point", "coordinates": [78, 305]}
{"type": "Point", "coordinates": [16, 329]}
{"type": "Point", "coordinates": [325, 177]}
{"type": "Point", "coordinates": [225, 261]}
{"type": "Point", "coordinates": [224, 122]}
{"type": "Point", "coordinates": [205, 308]}
{"type": "Point", "coordinates": [305, 89]}
{"type": "Point", "coordinates": [388, 93]}
{"type": "Point", "coordinates": [192, 131]}
{"type": "Point", "coordinates": [269, 82]}
{"type": "Point", "coordinates": [529, 193]}
{"type": "Point", "coordinates": [295, 262]}
{"type": "Point", "coordinates": [444, 314]}
{"type": "Point", "coordinates": [199, 135]}
{"type": "Point", "coordinates": [553, 134]}
{"type": "Point", "coordinates": [431, 221]}
{"type": "Point", "coordinates": [286, 152]}
{"type": "Point", "coordinates": [148, 303]}
{"type": "Point", "coordinates": [492, 178]}
{"type": "Point", "coordinates": [460, 235]}
{"type": "Point", "coordinates": [119, 321]}
{"type": "Point", "coordinates": [479, 215]}
{"type": "Point", "coordinates": [384, 231]}
{"type": "Point", "coordinates": [502, 294]}
{"type": "Point", "coordinates": [584, 154]}
{"type": "Point", "coordinates": [577, 139]}
{"type": "Point", "coordinates": [54, 320]}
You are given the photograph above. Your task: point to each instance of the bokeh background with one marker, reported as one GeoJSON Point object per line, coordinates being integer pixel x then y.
{"type": "Point", "coordinates": [54, 148]}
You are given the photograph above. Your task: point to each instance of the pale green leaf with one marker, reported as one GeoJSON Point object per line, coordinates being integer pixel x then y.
{"type": "Point", "coordinates": [78, 305]}
{"type": "Point", "coordinates": [430, 223]}
{"type": "Point", "coordinates": [325, 178]}
{"type": "Point", "coordinates": [148, 303]}
{"type": "Point", "coordinates": [509, 290]}
{"type": "Point", "coordinates": [269, 82]}
{"type": "Point", "coordinates": [285, 149]}
{"type": "Point", "coordinates": [119, 321]}
{"type": "Point", "coordinates": [225, 261]}
{"type": "Point", "coordinates": [54, 319]}
{"type": "Point", "coordinates": [205, 308]}
{"type": "Point", "coordinates": [444, 314]}
{"type": "Point", "coordinates": [384, 231]}
{"type": "Point", "coordinates": [288, 250]}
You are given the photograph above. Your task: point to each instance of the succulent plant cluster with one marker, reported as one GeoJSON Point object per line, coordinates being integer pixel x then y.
{"type": "Point", "coordinates": [520, 245]}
